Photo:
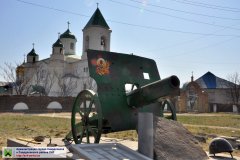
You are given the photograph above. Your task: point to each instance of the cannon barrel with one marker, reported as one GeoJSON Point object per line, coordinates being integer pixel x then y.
{"type": "Point", "coordinates": [151, 92]}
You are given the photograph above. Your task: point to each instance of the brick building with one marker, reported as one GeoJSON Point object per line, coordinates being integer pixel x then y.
{"type": "Point", "coordinates": [208, 93]}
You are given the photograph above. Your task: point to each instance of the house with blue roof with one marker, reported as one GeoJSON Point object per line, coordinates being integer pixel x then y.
{"type": "Point", "coordinates": [208, 93]}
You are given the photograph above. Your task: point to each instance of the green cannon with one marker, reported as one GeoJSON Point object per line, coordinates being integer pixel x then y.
{"type": "Point", "coordinates": [126, 85]}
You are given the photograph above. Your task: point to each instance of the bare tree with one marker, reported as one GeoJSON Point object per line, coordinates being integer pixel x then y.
{"type": "Point", "coordinates": [67, 84]}
{"type": "Point", "coordinates": [90, 83]}
{"type": "Point", "coordinates": [44, 80]}
{"type": "Point", "coordinates": [20, 83]}
{"type": "Point", "coordinates": [234, 89]}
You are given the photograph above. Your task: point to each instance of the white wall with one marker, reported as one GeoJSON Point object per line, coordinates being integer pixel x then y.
{"type": "Point", "coordinates": [95, 34]}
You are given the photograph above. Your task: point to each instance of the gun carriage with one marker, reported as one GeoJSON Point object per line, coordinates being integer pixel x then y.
{"type": "Point", "coordinates": [126, 85]}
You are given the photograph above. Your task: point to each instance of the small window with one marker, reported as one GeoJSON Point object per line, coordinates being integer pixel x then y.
{"type": "Point", "coordinates": [130, 87]}
{"type": "Point", "coordinates": [72, 46]}
{"type": "Point", "coordinates": [85, 69]}
{"type": "Point", "coordinates": [103, 43]}
{"type": "Point", "coordinates": [146, 75]}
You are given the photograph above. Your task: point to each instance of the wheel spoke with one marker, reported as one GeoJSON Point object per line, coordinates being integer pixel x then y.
{"type": "Point", "coordinates": [90, 107]}
{"type": "Point", "coordinates": [132, 87]}
{"type": "Point", "coordinates": [87, 135]}
{"type": "Point", "coordinates": [92, 131]}
{"type": "Point", "coordinates": [80, 113]}
{"type": "Point", "coordinates": [85, 106]}
{"type": "Point", "coordinates": [82, 134]}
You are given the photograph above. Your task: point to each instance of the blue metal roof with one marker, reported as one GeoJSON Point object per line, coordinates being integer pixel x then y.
{"type": "Point", "coordinates": [210, 80]}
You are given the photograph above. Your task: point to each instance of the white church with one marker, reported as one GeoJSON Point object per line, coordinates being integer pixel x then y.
{"type": "Point", "coordinates": [64, 73]}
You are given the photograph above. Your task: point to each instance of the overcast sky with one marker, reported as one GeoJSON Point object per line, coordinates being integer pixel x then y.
{"type": "Point", "coordinates": [180, 35]}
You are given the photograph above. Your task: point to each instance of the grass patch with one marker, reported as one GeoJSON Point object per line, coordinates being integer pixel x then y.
{"type": "Point", "coordinates": [26, 126]}
{"type": "Point", "coordinates": [221, 120]}
{"type": "Point", "coordinates": [212, 131]}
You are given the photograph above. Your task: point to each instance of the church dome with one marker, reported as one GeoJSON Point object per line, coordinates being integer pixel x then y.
{"type": "Point", "coordinates": [58, 43]}
{"type": "Point", "coordinates": [20, 69]}
{"type": "Point", "coordinates": [67, 34]}
{"type": "Point", "coordinates": [32, 53]}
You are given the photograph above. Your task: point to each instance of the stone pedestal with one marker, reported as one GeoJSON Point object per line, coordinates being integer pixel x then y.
{"type": "Point", "coordinates": [173, 141]}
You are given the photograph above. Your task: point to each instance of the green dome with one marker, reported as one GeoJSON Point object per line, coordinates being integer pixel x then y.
{"type": "Point", "coordinates": [67, 34]}
{"type": "Point", "coordinates": [32, 53]}
{"type": "Point", "coordinates": [58, 43]}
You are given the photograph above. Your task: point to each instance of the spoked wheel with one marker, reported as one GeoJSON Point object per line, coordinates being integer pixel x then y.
{"type": "Point", "coordinates": [168, 110]}
{"type": "Point", "coordinates": [86, 118]}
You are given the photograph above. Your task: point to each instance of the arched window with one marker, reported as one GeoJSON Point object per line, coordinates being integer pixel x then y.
{"type": "Point", "coordinates": [86, 43]}
{"type": "Point", "coordinates": [72, 46]}
{"type": "Point", "coordinates": [103, 43]}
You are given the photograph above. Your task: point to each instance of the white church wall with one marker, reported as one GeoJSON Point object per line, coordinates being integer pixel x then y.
{"type": "Point", "coordinates": [95, 34]}
{"type": "Point", "coordinates": [66, 67]}
{"type": "Point", "coordinates": [67, 45]}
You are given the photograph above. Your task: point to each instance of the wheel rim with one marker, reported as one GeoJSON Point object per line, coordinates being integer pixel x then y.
{"type": "Point", "coordinates": [167, 103]}
{"type": "Point", "coordinates": [86, 119]}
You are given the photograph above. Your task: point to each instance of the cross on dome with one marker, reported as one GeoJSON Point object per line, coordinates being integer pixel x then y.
{"type": "Point", "coordinates": [68, 24]}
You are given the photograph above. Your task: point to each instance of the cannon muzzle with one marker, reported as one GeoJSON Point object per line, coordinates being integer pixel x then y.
{"type": "Point", "coordinates": [151, 92]}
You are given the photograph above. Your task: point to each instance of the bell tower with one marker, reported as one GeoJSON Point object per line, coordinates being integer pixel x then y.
{"type": "Point", "coordinates": [96, 34]}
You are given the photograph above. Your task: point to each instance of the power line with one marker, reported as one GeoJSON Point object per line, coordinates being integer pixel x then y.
{"type": "Point", "coordinates": [173, 16]}
{"type": "Point", "coordinates": [169, 30]}
{"type": "Point", "coordinates": [205, 5]}
{"type": "Point", "coordinates": [125, 23]}
{"type": "Point", "coordinates": [186, 12]}
{"type": "Point", "coordinates": [199, 49]}
{"type": "Point", "coordinates": [52, 8]}
{"type": "Point", "coordinates": [217, 6]}
{"type": "Point", "coordinates": [190, 41]}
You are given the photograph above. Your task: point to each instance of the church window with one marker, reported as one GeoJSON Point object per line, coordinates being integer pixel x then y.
{"type": "Point", "coordinates": [72, 46]}
{"type": "Point", "coordinates": [103, 43]}
{"type": "Point", "coordinates": [86, 43]}
{"type": "Point", "coordinates": [85, 69]}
